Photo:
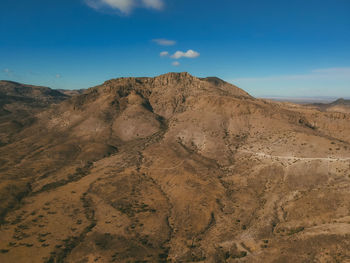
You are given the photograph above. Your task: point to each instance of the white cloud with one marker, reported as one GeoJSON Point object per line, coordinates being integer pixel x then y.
{"type": "Point", "coordinates": [188, 54]}
{"type": "Point", "coordinates": [155, 4]}
{"type": "Point", "coordinates": [164, 54]}
{"type": "Point", "coordinates": [164, 42]}
{"type": "Point", "coordinates": [125, 6]}
{"type": "Point", "coordinates": [58, 76]}
{"type": "Point", "coordinates": [176, 63]}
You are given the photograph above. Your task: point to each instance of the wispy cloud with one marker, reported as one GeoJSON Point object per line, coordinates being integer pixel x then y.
{"type": "Point", "coordinates": [176, 63]}
{"type": "Point", "coordinates": [58, 76]}
{"type": "Point", "coordinates": [164, 54]}
{"type": "Point", "coordinates": [8, 72]}
{"type": "Point", "coordinates": [155, 4]}
{"type": "Point", "coordinates": [188, 54]}
{"type": "Point", "coordinates": [336, 71]}
{"type": "Point", "coordinates": [125, 6]}
{"type": "Point", "coordinates": [164, 42]}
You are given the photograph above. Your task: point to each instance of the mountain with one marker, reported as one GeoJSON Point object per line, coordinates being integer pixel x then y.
{"type": "Point", "coordinates": [341, 102]}
{"type": "Point", "coordinates": [340, 105]}
{"type": "Point", "coordinates": [176, 169]}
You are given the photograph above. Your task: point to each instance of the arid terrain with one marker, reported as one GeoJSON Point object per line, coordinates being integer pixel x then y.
{"type": "Point", "coordinates": [171, 169]}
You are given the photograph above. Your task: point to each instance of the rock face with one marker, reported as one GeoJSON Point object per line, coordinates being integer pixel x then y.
{"type": "Point", "coordinates": [175, 169]}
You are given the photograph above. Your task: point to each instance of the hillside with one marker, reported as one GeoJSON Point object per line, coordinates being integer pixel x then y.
{"type": "Point", "coordinates": [175, 169]}
{"type": "Point", "coordinates": [18, 105]}
{"type": "Point", "coordinates": [13, 92]}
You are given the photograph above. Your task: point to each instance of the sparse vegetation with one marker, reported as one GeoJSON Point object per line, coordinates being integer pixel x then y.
{"type": "Point", "coordinates": [295, 230]}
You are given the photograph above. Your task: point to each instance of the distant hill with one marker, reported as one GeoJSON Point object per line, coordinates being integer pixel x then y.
{"type": "Point", "coordinates": [19, 103]}
{"type": "Point", "coordinates": [340, 105]}
{"type": "Point", "coordinates": [35, 96]}
{"type": "Point", "coordinates": [71, 92]}
{"type": "Point", "coordinates": [341, 102]}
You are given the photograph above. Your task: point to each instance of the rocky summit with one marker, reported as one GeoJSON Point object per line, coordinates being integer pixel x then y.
{"type": "Point", "coordinates": [171, 169]}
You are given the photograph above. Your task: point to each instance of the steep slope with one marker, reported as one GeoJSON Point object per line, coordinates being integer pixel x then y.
{"type": "Point", "coordinates": [180, 169]}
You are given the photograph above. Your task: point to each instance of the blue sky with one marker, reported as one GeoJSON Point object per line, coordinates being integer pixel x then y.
{"type": "Point", "coordinates": [267, 47]}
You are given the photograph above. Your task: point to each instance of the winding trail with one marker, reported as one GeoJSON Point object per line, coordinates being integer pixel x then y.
{"type": "Point", "coordinates": [265, 155]}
